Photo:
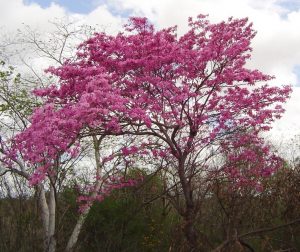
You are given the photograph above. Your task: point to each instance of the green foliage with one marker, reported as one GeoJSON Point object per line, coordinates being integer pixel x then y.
{"type": "Point", "coordinates": [230, 212]}
{"type": "Point", "coordinates": [129, 220]}
{"type": "Point", "coordinates": [15, 99]}
{"type": "Point", "coordinates": [19, 226]}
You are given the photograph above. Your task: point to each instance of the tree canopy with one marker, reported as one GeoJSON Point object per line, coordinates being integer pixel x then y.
{"type": "Point", "coordinates": [186, 100]}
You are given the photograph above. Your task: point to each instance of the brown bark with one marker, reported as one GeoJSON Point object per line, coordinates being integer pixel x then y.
{"type": "Point", "coordinates": [189, 215]}
{"type": "Point", "coordinates": [190, 231]}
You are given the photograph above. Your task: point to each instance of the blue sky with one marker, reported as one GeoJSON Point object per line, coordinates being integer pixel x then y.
{"type": "Point", "coordinates": [86, 6]}
{"type": "Point", "coordinates": [77, 6]}
{"type": "Point", "coordinates": [296, 70]}
{"type": "Point", "coordinates": [81, 6]}
{"type": "Point", "coordinates": [290, 4]}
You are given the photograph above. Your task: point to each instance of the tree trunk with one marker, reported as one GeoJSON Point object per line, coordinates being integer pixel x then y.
{"type": "Point", "coordinates": [48, 217]}
{"type": "Point", "coordinates": [189, 215]}
{"type": "Point", "coordinates": [190, 231]}
{"type": "Point", "coordinates": [76, 231]}
{"type": "Point", "coordinates": [52, 213]}
{"type": "Point", "coordinates": [44, 214]}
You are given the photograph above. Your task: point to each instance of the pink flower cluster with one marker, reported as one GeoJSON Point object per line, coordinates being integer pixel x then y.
{"type": "Point", "coordinates": [248, 160]}
{"type": "Point", "coordinates": [186, 92]}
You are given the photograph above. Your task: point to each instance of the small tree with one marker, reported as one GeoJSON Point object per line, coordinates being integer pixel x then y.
{"type": "Point", "coordinates": [189, 99]}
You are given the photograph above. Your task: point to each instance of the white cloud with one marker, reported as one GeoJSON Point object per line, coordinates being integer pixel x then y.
{"type": "Point", "coordinates": [104, 18]}
{"type": "Point", "coordinates": [16, 16]}
{"type": "Point", "coordinates": [276, 46]}
{"type": "Point", "coordinates": [14, 13]}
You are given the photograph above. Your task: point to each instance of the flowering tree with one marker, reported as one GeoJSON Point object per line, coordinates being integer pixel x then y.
{"type": "Point", "coordinates": [189, 99]}
{"type": "Point", "coordinates": [51, 169]}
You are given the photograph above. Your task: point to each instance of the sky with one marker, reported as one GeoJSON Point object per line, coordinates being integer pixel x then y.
{"type": "Point", "coordinates": [276, 47]}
